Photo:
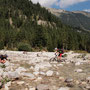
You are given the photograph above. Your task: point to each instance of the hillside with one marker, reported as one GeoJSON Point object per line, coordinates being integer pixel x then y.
{"type": "Point", "coordinates": [28, 26]}
{"type": "Point", "coordinates": [75, 18]}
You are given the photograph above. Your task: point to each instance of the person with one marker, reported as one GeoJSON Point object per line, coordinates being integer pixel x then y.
{"type": "Point", "coordinates": [59, 53]}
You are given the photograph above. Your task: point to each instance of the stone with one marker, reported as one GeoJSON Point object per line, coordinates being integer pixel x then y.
{"type": "Point", "coordinates": [13, 75]}
{"type": "Point", "coordinates": [60, 65]}
{"type": "Point", "coordinates": [39, 78]}
{"type": "Point", "coordinates": [77, 63]}
{"type": "Point", "coordinates": [32, 67]}
{"type": "Point", "coordinates": [84, 83]}
{"type": "Point", "coordinates": [36, 73]}
{"type": "Point", "coordinates": [42, 73]}
{"type": "Point", "coordinates": [77, 82]}
{"type": "Point", "coordinates": [64, 88]}
{"type": "Point", "coordinates": [68, 80]}
{"type": "Point", "coordinates": [49, 73]}
{"type": "Point", "coordinates": [42, 65]}
{"type": "Point", "coordinates": [88, 87]}
{"type": "Point", "coordinates": [42, 87]}
{"type": "Point", "coordinates": [7, 64]}
{"type": "Point", "coordinates": [31, 76]}
{"type": "Point", "coordinates": [79, 70]}
{"type": "Point", "coordinates": [32, 88]}
{"type": "Point", "coordinates": [62, 79]}
{"type": "Point", "coordinates": [20, 82]}
{"type": "Point", "coordinates": [20, 69]}
{"type": "Point", "coordinates": [57, 73]}
{"type": "Point", "coordinates": [8, 84]}
{"type": "Point", "coordinates": [6, 87]}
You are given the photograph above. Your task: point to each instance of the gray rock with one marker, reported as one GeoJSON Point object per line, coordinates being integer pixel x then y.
{"type": "Point", "coordinates": [13, 75]}
{"type": "Point", "coordinates": [31, 76]}
{"type": "Point", "coordinates": [36, 73]}
{"type": "Point", "coordinates": [7, 64]}
{"type": "Point", "coordinates": [88, 87]}
{"type": "Point", "coordinates": [79, 70]}
{"type": "Point", "coordinates": [77, 63]}
{"type": "Point", "coordinates": [42, 73]}
{"type": "Point", "coordinates": [20, 69]}
{"type": "Point", "coordinates": [64, 88]}
{"type": "Point", "coordinates": [68, 80]}
{"type": "Point", "coordinates": [49, 73]}
{"type": "Point", "coordinates": [42, 87]}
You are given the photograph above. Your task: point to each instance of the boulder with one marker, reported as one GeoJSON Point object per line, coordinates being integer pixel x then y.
{"type": "Point", "coordinates": [13, 75]}
{"type": "Point", "coordinates": [20, 69]}
{"type": "Point", "coordinates": [42, 73]}
{"type": "Point", "coordinates": [42, 87]}
{"type": "Point", "coordinates": [77, 63]}
{"type": "Point", "coordinates": [49, 73]}
{"type": "Point", "coordinates": [36, 73]}
{"type": "Point", "coordinates": [78, 70]}
{"type": "Point", "coordinates": [68, 80]}
{"type": "Point", "coordinates": [64, 88]}
{"type": "Point", "coordinates": [31, 76]}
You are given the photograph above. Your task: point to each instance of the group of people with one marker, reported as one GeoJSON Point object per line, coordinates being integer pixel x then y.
{"type": "Point", "coordinates": [58, 53]}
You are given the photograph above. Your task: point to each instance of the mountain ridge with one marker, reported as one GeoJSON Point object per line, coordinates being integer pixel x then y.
{"type": "Point", "coordinates": [80, 18]}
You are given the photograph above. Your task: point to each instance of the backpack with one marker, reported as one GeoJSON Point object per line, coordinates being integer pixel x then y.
{"type": "Point", "coordinates": [60, 51]}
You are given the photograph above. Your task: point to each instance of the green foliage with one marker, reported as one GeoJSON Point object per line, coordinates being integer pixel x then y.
{"type": "Point", "coordinates": [24, 47]}
{"type": "Point", "coordinates": [1, 45]}
{"type": "Point", "coordinates": [4, 80]}
{"type": "Point", "coordinates": [2, 66]}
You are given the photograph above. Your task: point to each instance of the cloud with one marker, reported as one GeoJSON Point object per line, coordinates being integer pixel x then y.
{"type": "Point", "coordinates": [60, 3]}
{"type": "Point", "coordinates": [47, 3]}
{"type": "Point", "coordinates": [66, 3]}
{"type": "Point", "coordinates": [87, 10]}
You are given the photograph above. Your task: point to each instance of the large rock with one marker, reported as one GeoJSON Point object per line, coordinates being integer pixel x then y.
{"type": "Point", "coordinates": [31, 76]}
{"type": "Point", "coordinates": [7, 64]}
{"type": "Point", "coordinates": [77, 63]}
{"type": "Point", "coordinates": [32, 88]}
{"type": "Point", "coordinates": [20, 69]}
{"type": "Point", "coordinates": [42, 65]}
{"type": "Point", "coordinates": [64, 88]}
{"type": "Point", "coordinates": [36, 73]}
{"type": "Point", "coordinates": [42, 73]}
{"type": "Point", "coordinates": [78, 70]}
{"type": "Point", "coordinates": [42, 87]}
{"type": "Point", "coordinates": [49, 73]}
{"type": "Point", "coordinates": [13, 75]}
{"type": "Point", "coordinates": [68, 80]}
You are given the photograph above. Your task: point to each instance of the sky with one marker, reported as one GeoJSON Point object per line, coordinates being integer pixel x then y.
{"type": "Point", "coordinates": [69, 5]}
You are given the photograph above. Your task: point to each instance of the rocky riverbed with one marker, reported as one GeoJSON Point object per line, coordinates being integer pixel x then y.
{"type": "Point", "coordinates": [34, 71]}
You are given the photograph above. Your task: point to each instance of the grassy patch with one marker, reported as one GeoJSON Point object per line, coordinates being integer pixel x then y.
{"type": "Point", "coordinates": [2, 66]}
{"type": "Point", "coordinates": [79, 51]}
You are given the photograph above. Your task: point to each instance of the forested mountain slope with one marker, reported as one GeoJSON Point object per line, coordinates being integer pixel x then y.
{"type": "Point", "coordinates": [27, 26]}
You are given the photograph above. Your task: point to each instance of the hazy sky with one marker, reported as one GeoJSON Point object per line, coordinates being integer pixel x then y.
{"type": "Point", "coordinates": [66, 4]}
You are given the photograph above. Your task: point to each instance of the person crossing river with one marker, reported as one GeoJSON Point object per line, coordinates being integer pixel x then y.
{"type": "Point", "coordinates": [59, 53]}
